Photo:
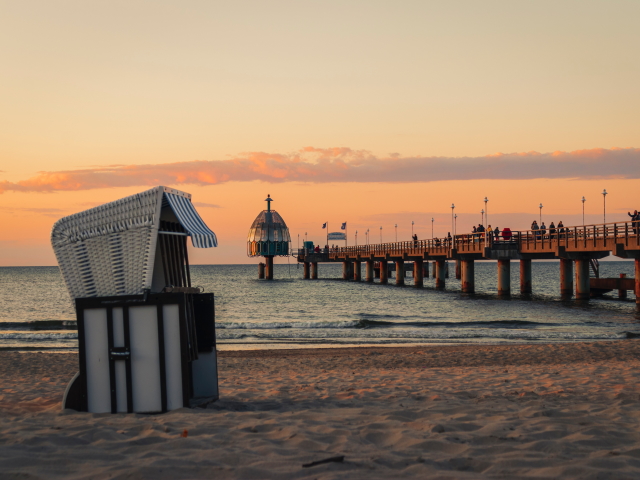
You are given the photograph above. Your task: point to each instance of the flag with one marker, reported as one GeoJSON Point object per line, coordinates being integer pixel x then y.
{"type": "Point", "coordinates": [324, 225]}
{"type": "Point", "coordinates": [344, 226]}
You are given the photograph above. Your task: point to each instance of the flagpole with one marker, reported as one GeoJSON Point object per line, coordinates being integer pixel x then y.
{"type": "Point", "coordinates": [327, 234]}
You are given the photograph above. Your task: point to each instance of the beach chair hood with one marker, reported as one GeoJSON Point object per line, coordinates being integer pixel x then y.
{"type": "Point", "coordinates": [112, 249]}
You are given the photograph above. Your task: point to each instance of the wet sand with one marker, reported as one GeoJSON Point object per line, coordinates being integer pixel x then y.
{"type": "Point", "coordinates": [518, 411]}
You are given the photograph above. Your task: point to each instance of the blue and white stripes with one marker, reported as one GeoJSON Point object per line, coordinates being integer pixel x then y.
{"type": "Point", "coordinates": [201, 235]}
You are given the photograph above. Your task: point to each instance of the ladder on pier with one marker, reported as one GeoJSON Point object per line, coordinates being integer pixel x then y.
{"type": "Point", "coordinates": [594, 267]}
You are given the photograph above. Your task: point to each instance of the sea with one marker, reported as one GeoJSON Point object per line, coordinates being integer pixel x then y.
{"type": "Point", "coordinates": [36, 313]}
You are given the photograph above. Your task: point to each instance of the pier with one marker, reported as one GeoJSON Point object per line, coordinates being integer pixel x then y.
{"type": "Point", "coordinates": [577, 248]}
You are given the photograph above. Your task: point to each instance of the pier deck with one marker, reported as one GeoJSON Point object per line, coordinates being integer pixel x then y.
{"type": "Point", "coordinates": [581, 245]}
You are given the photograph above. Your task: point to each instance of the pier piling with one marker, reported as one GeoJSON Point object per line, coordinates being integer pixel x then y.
{"type": "Point", "coordinates": [525, 277]}
{"type": "Point", "coordinates": [468, 280]}
{"type": "Point", "coordinates": [504, 277]}
{"type": "Point", "coordinates": [418, 271]}
{"type": "Point", "coordinates": [399, 272]}
{"type": "Point", "coordinates": [368, 271]}
{"type": "Point", "coordinates": [305, 270]}
{"type": "Point", "coordinates": [357, 272]}
{"type": "Point", "coordinates": [434, 270]}
{"type": "Point", "coordinates": [314, 270]}
{"type": "Point", "coordinates": [261, 270]}
{"type": "Point", "coordinates": [269, 267]}
{"type": "Point", "coordinates": [458, 269]}
{"type": "Point", "coordinates": [566, 277]}
{"type": "Point", "coordinates": [622, 293]}
{"type": "Point", "coordinates": [583, 286]}
{"type": "Point", "coordinates": [345, 270]}
{"type": "Point", "coordinates": [384, 272]}
{"type": "Point", "coordinates": [440, 273]}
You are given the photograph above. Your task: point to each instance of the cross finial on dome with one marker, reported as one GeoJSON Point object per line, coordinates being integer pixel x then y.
{"type": "Point", "coordinates": [268, 200]}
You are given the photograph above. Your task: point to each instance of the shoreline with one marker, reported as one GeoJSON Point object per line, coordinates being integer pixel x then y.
{"type": "Point", "coordinates": [276, 346]}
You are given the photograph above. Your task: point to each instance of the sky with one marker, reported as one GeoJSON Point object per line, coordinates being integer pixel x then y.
{"type": "Point", "coordinates": [367, 112]}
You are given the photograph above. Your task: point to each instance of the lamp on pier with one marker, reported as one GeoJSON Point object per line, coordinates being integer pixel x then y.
{"type": "Point", "coordinates": [396, 232]}
{"type": "Point", "coordinates": [583, 200]}
{"type": "Point", "coordinates": [356, 238]}
{"type": "Point", "coordinates": [431, 228]}
{"type": "Point", "coordinates": [604, 205]}
{"type": "Point", "coordinates": [482, 213]}
{"type": "Point", "coordinates": [452, 221]}
{"type": "Point", "coordinates": [540, 207]}
{"type": "Point", "coordinates": [486, 209]}
{"type": "Point", "coordinates": [455, 224]}
{"type": "Point", "coordinates": [412, 229]}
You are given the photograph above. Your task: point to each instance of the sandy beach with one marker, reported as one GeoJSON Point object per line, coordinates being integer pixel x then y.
{"type": "Point", "coordinates": [519, 411]}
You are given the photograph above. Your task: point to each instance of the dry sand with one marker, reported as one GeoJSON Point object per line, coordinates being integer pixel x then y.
{"type": "Point", "coordinates": [535, 411]}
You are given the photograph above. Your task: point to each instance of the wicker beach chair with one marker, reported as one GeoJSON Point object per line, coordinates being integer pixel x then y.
{"type": "Point", "coordinates": [146, 337]}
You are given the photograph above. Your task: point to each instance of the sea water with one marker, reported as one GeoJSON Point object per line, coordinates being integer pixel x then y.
{"type": "Point", "coordinates": [289, 312]}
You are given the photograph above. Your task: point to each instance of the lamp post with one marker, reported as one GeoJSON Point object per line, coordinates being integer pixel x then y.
{"type": "Point", "coordinates": [540, 214]}
{"type": "Point", "coordinates": [604, 205]}
{"type": "Point", "coordinates": [305, 237]}
{"type": "Point", "coordinates": [298, 242]}
{"type": "Point", "coordinates": [583, 200]}
{"type": "Point", "coordinates": [482, 213]}
{"type": "Point", "coordinates": [412, 229]}
{"type": "Point", "coordinates": [486, 209]}
{"type": "Point", "coordinates": [380, 234]}
{"type": "Point", "coordinates": [367, 236]}
{"type": "Point", "coordinates": [356, 238]}
{"type": "Point", "coordinates": [455, 224]}
{"type": "Point", "coordinates": [431, 228]}
{"type": "Point", "coordinates": [452, 220]}
{"type": "Point", "coordinates": [396, 232]}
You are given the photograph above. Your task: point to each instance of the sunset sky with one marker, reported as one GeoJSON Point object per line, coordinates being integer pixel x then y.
{"type": "Point", "coordinates": [369, 112]}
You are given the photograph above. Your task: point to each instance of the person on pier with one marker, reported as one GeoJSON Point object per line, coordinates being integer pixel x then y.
{"type": "Point", "coordinates": [635, 221]}
{"type": "Point", "coordinates": [543, 230]}
{"type": "Point", "coordinates": [535, 229]}
{"type": "Point", "coordinates": [552, 231]}
{"type": "Point", "coordinates": [561, 230]}
{"type": "Point", "coordinates": [415, 240]}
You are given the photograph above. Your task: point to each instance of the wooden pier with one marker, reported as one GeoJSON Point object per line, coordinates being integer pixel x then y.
{"type": "Point", "coordinates": [575, 247]}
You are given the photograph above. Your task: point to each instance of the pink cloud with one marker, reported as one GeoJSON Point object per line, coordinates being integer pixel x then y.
{"type": "Point", "coordinates": [323, 165]}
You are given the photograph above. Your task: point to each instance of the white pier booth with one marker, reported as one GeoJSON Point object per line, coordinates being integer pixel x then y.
{"type": "Point", "coordinates": [146, 336]}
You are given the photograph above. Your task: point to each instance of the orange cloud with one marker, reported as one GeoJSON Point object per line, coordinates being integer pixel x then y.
{"type": "Point", "coordinates": [324, 165]}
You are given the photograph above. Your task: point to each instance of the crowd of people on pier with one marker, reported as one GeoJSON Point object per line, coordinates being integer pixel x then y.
{"type": "Point", "coordinates": [494, 234]}
{"type": "Point", "coordinates": [555, 231]}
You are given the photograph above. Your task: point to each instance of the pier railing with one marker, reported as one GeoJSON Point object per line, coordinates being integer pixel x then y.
{"type": "Point", "coordinates": [597, 237]}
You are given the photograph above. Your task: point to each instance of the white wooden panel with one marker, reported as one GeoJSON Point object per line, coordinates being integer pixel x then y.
{"type": "Point", "coordinates": [145, 359]}
{"type": "Point", "coordinates": [172, 355]}
{"type": "Point", "coordinates": [97, 360]}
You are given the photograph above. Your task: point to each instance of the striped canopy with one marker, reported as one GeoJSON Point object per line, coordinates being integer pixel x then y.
{"type": "Point", "coordinates": [111, 249]}
{"type": "Point", "coordinates": [201, 235]}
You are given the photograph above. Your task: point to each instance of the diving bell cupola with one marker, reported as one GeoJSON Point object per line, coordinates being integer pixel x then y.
{"type": "Point", "coordinates": [268, 237]}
